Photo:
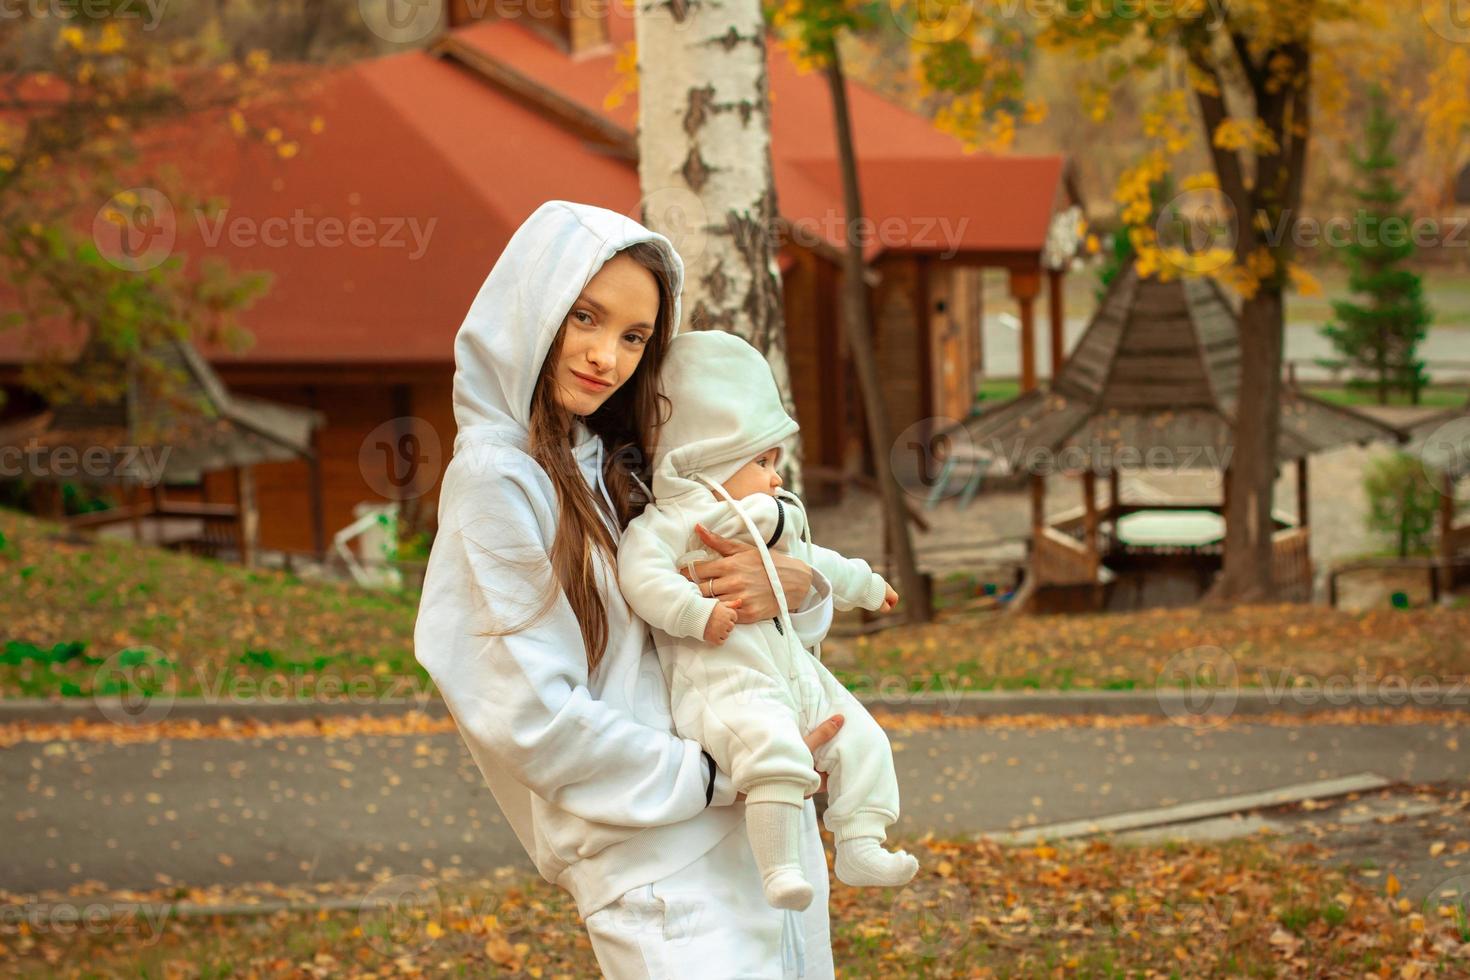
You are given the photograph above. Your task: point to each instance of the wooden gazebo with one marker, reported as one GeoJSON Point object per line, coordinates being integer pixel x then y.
{"type": "Point", "coordinates": [1152, 383]}
{"type": "Point", "coordinates": [163, 431]}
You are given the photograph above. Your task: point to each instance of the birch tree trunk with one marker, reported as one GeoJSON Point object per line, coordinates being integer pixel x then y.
{"type": "Point", "coordinates": [704, 166]}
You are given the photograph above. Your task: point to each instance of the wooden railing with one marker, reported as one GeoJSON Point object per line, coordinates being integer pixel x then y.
{"type": "Point", "coordinates": [218, 523]}
{"type": "Point", "coordinates": [1291, 564]}
{"type": "Point", "coordinates": [1060, 559]}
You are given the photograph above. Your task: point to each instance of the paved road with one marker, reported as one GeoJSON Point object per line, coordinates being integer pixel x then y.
{"type": "Point", "coordinates": [310, 809]}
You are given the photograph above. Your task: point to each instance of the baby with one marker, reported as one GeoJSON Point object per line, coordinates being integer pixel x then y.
{"type": "Point", "coordinates": [749, 693]}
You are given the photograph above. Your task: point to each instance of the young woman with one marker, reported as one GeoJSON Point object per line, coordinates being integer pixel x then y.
{"type": "Point", "coordinates": [552, 681]}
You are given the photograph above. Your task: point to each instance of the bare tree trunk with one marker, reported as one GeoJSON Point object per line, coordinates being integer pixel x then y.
{"type": "Point", "coordinates": [1252, 471]}
{"type": "Point", "coordinates": [311, 22]}
{"type": "Point", "coordinates": [856, 317]}
{"type": "Point", "coordinates": [704, 165]}
{"type": "Point", "coordinates": [1275, 193]}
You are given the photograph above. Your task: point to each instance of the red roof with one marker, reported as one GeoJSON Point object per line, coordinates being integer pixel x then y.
{"type": "Point", "coordinates": [417, 144]}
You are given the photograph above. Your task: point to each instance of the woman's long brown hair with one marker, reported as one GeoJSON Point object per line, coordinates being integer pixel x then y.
{"type": "Point", "coordinates": [625, 423]}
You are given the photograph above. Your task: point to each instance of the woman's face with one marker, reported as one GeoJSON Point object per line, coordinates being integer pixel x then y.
{"type": "Point", "coordinates": [604, 334]}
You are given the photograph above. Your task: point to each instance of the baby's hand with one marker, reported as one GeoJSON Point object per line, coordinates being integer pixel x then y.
{"type": "Point", "coordinates": [721, 622]}
{"type": "Point", "coordinates": [890, 598]}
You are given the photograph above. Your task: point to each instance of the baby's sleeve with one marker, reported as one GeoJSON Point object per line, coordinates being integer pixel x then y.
{"type": "Point", "coordinates": [655, 589]}
{"type": "Point", "coordinates": [854, 583]}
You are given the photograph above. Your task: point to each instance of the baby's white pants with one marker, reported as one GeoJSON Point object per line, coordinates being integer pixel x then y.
{"type": "Point", "coordinates": [750, 701]}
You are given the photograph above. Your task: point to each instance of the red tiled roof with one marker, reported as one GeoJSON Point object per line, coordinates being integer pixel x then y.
{"type": "Point", "coordinates": [912, 175]}
{"type": "Point", "coordinates": [418, 140]}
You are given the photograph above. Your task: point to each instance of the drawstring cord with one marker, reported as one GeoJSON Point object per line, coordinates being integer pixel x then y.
{"type": "Point", "coordinates": [789, 631]}
{"type": "Point", "coordinates": [793, 944]}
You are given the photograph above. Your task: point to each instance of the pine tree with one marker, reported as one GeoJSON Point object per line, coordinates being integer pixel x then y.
{"type": "Point", "coordinates": [1379, 340]}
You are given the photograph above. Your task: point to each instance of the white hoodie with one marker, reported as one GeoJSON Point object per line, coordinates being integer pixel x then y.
{"type": "Point", "coordinates": [587, 769]}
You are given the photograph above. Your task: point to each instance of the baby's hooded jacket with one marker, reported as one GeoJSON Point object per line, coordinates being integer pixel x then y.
{"type": "Point", "coordinates": [586, 767]}
{"type": "Point", "coordinates": [725, 410]}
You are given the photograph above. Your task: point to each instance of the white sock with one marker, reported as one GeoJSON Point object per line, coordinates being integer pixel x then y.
{"type": "Point", "coordinates": [861, 861]}
{"type": "Point", "coordinates": [774, 830]}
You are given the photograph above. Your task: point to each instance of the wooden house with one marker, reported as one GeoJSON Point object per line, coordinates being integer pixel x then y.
{"type": "Point", "coordinates": [437, 155]}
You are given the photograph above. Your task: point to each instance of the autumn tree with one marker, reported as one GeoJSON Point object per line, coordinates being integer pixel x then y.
{"type": "Point", "coordinates": [82, 182]}
{"type": "Point", "coordinates": [1243, 86]}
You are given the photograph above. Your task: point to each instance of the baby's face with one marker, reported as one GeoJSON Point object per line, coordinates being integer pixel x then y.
{"type": "Point", "coordinates": [757, 476]}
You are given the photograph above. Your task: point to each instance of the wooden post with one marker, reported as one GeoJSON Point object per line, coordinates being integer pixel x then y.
{"type": "Point", "coordinates": [135, 509]}
{"type": "Point", "coordinates": [1089, 511]}
{"type": "Point", "coordinates": [1024, 288]}
{"type": "Point", "coordinates": [314, 484]}
{"type": "Point", "coordinates": [1038, 503]}
{"type": "Point", "coordinates": [1446, 536]}
{"type": "Point", "coordinates": [1302, 516]}
{"type": "Point", "coordinates": [246, 513]}
{"type": "Point", "coordinates": [1058, 322]}
{"type": "Point", "coordinates": [975, 324]}
{"type": "Point", "coordinates": [1113, 493]}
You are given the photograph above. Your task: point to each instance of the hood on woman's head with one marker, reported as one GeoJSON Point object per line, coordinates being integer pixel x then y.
{"type": "Point", "coordinates": [726, 409]}
{"type": "Point", "coordinates": [510, 327]}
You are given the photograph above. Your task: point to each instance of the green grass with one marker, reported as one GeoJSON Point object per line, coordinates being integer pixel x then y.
{"type": "Point", "coordinates": [1436, 397]}
{"type": "Point", "coordinates": [112, 617]}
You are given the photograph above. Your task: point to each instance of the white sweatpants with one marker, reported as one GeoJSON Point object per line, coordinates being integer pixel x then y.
{"type": "Point", "coordinates": [751, 701]}
{"type": "Point", "coordinates": [710, 919]}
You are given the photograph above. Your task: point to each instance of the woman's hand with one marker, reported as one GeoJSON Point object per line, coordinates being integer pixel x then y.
{"type": "Point", "coordinates": [816, 738]}
{"type": "Point", "coordinates": [739, 575]}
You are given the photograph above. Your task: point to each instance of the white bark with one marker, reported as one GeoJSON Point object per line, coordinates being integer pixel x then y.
{"type": "Point", "coordinates": [704, 166]}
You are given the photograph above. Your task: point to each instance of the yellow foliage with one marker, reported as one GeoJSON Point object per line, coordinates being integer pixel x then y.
{"type": "Point", "coordinates": [111, 41]}
{"type": "Point", "coordinates": [1236, 134]}
{"type": "Point", "coordinates": [625, 69]}
{"type": "Point", "coordinates": [1303, 281]}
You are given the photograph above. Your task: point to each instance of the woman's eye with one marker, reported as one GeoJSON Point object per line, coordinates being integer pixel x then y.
{"type": "Point", "coordinates": [582, 313]}
{"type": "Point", "coordinates": [637, 338]}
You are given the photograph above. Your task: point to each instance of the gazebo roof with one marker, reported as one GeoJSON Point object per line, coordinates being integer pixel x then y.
{"type": "Point", "coordinates": [161, 432]}
{"type": "Point", "coordinates": [1154, 380]}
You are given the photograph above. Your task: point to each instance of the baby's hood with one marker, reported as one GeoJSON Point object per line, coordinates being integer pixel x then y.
{"type": "Point", "coordinates": [726, 409]}
{"type": "Point", "coordinates": [510, 326]}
